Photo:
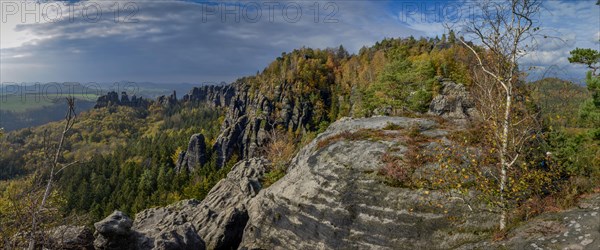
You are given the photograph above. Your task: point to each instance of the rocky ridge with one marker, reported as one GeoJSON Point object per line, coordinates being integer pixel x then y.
{"type": "Point", "coordinates": [453, 102]}
{"type": "Point", "coordinates": [333, 198]}
{"type": "Point", "coordinates": [113, 99]}
{"type": "Point", "coordinates": [217, 222]}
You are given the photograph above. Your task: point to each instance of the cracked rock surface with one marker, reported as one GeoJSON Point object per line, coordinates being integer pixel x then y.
{"type": "Point", "coordinates": [574, 229]}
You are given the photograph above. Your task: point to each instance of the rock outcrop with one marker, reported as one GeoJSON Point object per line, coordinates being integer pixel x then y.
{"type": "Point", "coordinates": [576, 228]}
{"type": "Point", "coordinates": [114, 232]}
{"type": "Point", "coordinates": [194, 156]}
{"type": "Point", "coordinates": [71, 237]}
{"type": "Point", "coordinates": [219, 96]}
{"type": "Point", "coordinates": [215, 223]}
{"type": "Point", "coordinates": [453, 102]}
{"type": "Point", "coordinates": [223, 214]}
{"type": "Point", "coordinates": [251, 116]}
{"type": "Point", "coordinates": [333, 198]}
{"type": "Point", "coordinates": [167, 101]}
{"type": "Point", "coordinates": [112, 99]}
{"type": "Point", "coordinates": [167, 228]}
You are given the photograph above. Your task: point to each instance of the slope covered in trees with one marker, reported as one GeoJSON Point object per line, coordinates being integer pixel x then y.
{"type": "Point", "coordinates": [127, 155]}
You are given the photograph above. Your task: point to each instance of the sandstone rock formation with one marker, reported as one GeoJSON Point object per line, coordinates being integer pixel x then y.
{"type": "Point", "coordinates": [219, 96]}
{"type": "Point", "coordinates": [167, 228]}
{"type": "Point", "coordinates": [215, 223]}
{"type": "Point", "coordinates": [194, 156]}
{"type": "Point", "coordinates": [453, 102]}
{"type": "Point", "coordinates": [251, 116]}
{"type": "Point", "coordinates": [167, 101]}
{"type": "Point", "coordinates": [333, 198]}
{"type": "Point", "coordinates": [114, 232]}
{"type": "Point", "coordinates": [576, 228]}
{"type": "Point", "coordinates": [71, 237]}
{"type": "Point", "coordinates": [112, 99]}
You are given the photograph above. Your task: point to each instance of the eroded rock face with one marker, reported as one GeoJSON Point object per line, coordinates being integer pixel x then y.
{"type": "Point", "coordinates": [222, 215]}
{"type": "Point", "coordinates": [71, 237]}
{"type": "Point", "coordinates": [114, 232]}
{"type": "Point", "coordinates": [576, 228]}
{"type": "Point", "coordinates": [167, 227]}
{"type": "Point", "coordinates": [453, 102]}
{"type": "Point", "coordinates": [167, 101]}
{"type": "Point", "coordinates": [194, 156]}
{"type": "Point", "coordinates": [219, 96]}
{"type": "Point", "coordinates": [112, 99]}
{"type": "Point", "coordinates": [251, 116]}
{"type": "Point", "coordinates": [333, 198]}
{"type": "Point", "coordinates": [215, 223]}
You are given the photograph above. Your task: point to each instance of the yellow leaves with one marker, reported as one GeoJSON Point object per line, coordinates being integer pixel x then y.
{"type": "Point", "coordinates": [175, 155]}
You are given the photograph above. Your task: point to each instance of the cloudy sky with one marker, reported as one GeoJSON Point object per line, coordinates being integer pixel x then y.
{"type": "Point", "coordinates": [195, 41]}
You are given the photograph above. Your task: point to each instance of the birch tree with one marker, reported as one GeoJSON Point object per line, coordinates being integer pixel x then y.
{"type": "Point", "coordinates": [54, 167]}
{"type": "Point", "coordinates": [498, 35]}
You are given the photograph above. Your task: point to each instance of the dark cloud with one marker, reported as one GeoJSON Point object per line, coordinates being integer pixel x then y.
{"type": "Point", "coordinates": [172, 43]}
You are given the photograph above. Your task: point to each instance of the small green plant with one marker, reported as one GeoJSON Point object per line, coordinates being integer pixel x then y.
{"type": "Point", "coordinates": [273, 176]}
{"type": "Point", "coordinates": [392, 126]}
{"type": "Point", "coordinates": [363, 134]}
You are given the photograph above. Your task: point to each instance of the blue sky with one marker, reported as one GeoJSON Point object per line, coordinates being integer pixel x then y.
{"type": "Point", "coordinates": [176, 41]}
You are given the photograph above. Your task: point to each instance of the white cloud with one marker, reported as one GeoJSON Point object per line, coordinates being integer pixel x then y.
{"type": "Point", "coordinates": [172, 43]}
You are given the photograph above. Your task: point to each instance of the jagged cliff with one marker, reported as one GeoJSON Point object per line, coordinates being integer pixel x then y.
{"type": "Point", "coordinates": [112, 98]}
{"type": "Point", "coordinates": [251, 115]}
{"type": "Point", "coordinates": [333, 198]}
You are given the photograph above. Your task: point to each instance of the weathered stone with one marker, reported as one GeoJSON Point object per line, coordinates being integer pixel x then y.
{"type": "Point", "coordinates": [252, 115]}
{"type": "Point", "coordinates": [222, 215]}
{"type": "Point", "coordinates": [167, 228]}
{"type": "Point", "coordinates": [215, 223]}
{"type": "Point", "coordinates": [71, 237]}
{"type": "Point", "coordinates": [112, 99]}
{"type": "Point", "coordinates": [576, 228]}
{"type": "Point", "coordinates": [114, 232]}
{"type": "Point", "coordinates": [167, 101]}
{"type": "Point", "coordinates": [194, 156]}
{"type": "Point", "coordinates": [219, 96]}
{"type": "Point", "coordinates": [332, 198]}
{"type": "Point", "coordinates": [453, 102]}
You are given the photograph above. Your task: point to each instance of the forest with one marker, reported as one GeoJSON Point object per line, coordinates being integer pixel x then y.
{"type": "Point", "coordinates": [125, 156]}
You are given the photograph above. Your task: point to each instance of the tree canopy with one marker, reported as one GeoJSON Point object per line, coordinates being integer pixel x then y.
{"type": "Point", "coordinates": [588, 57]}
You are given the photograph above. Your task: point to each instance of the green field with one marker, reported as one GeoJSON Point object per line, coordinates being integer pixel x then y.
{"type": "Point", "coordinates": [16, 103]}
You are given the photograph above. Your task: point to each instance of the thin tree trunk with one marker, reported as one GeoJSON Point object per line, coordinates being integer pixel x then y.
{"type": "Point", "coordinates": [503, 157]}
{"type": "Point", "coordinates": [68, 125]}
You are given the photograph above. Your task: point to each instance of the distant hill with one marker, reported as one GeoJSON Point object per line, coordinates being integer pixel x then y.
{"type": "Point", "coordinates": [559, 100]}
{"type": "Point", "coordinates": [30, 104]}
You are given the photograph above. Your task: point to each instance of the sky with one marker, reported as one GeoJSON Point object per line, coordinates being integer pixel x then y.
{"type": "Point", "coordinates": [210, 42]}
